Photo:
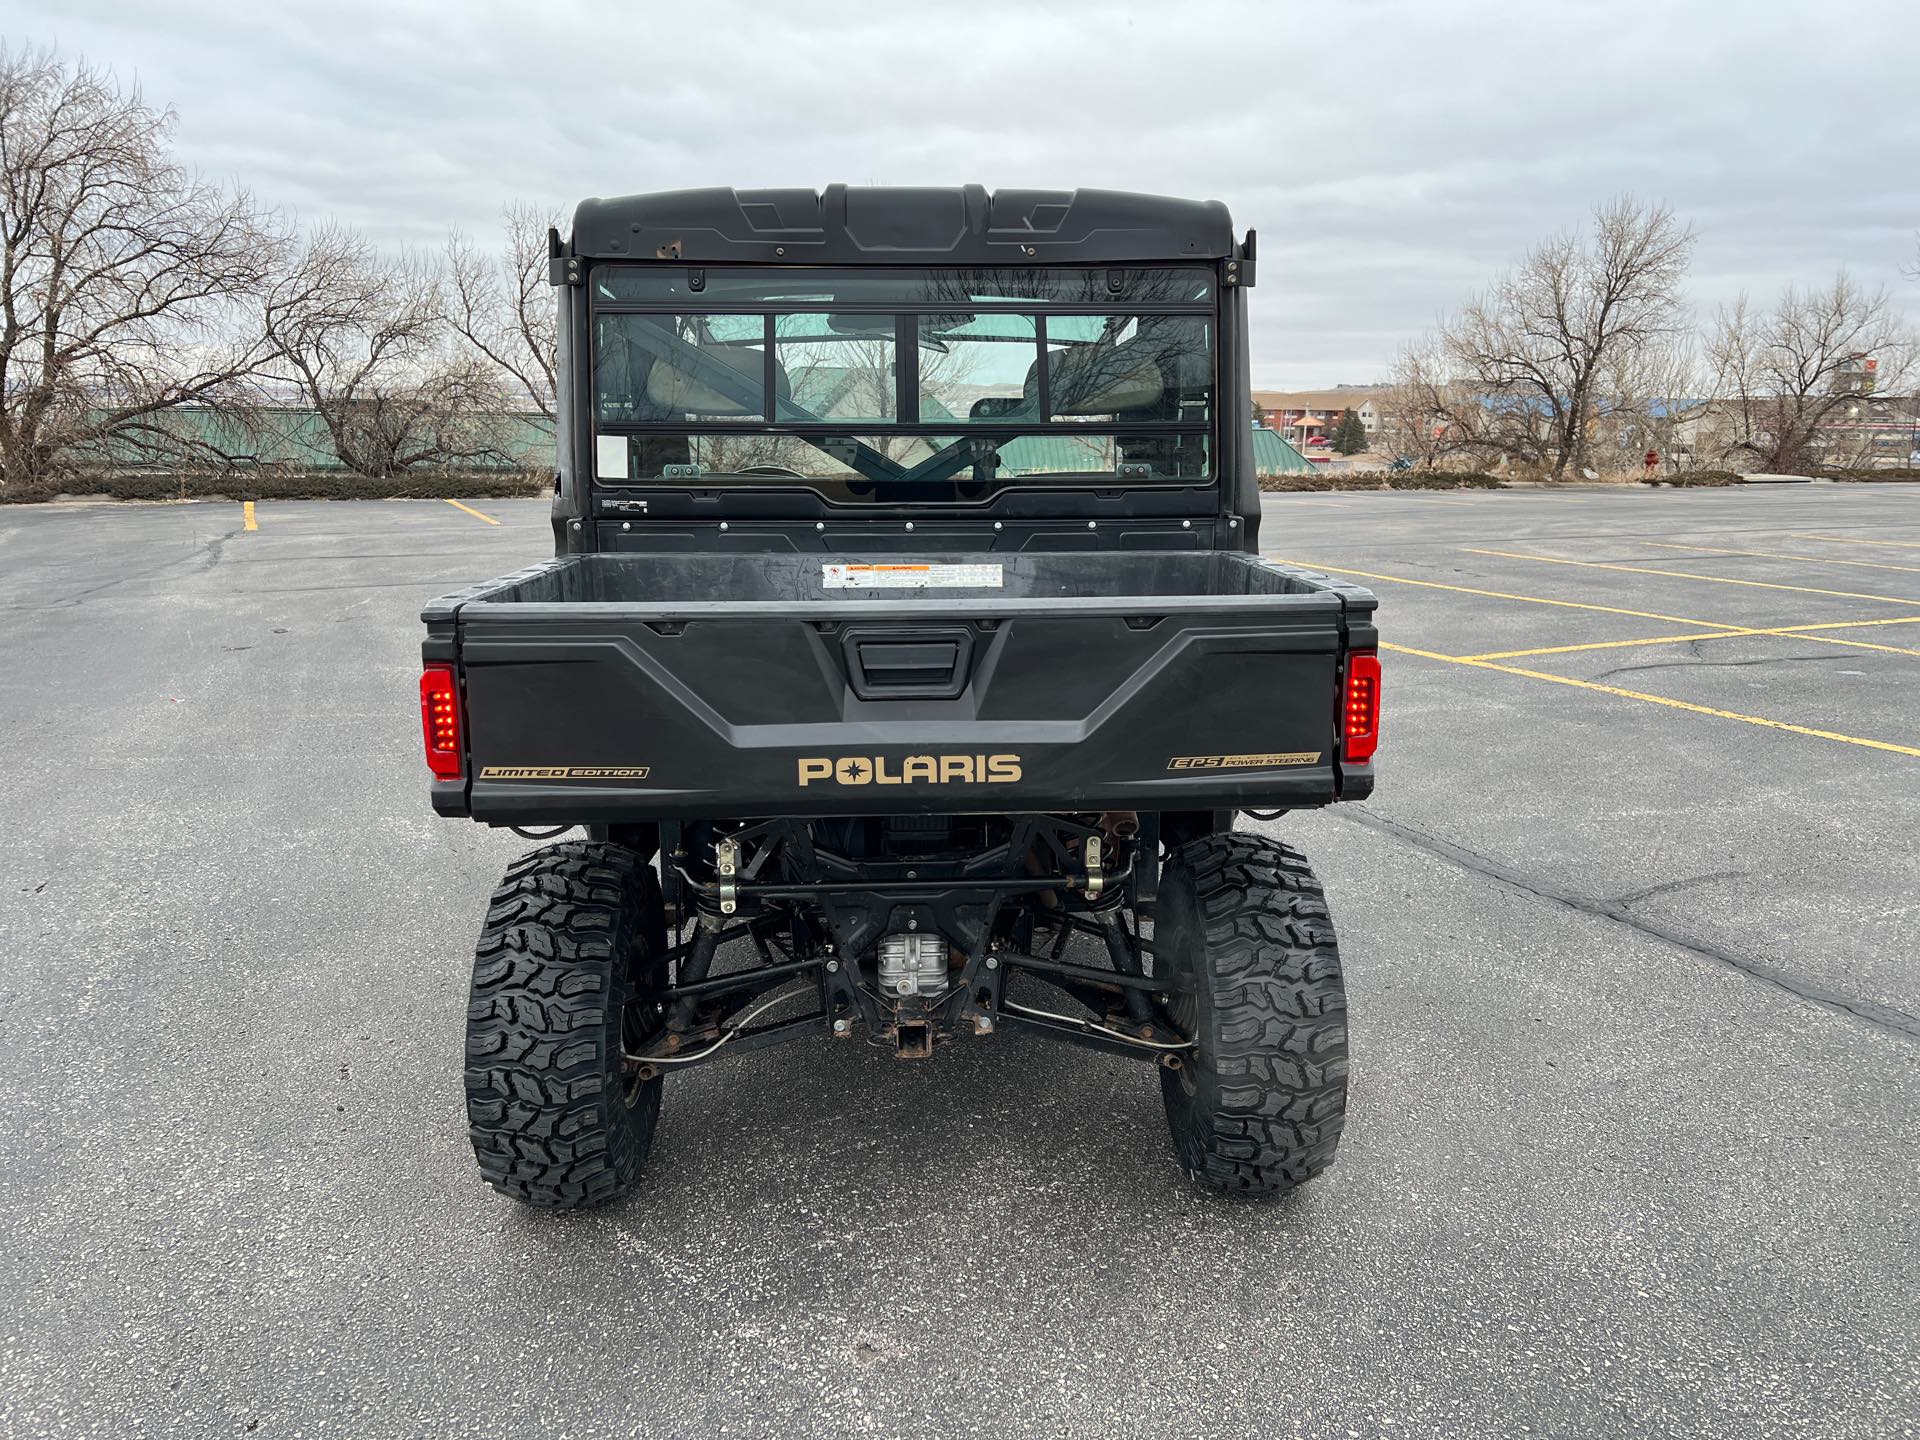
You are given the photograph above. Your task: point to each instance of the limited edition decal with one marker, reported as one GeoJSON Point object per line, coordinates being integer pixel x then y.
{"type": "Point", "coordinates": [1244, 762]}
{"type": "Point", "coordinates": [563, 772]}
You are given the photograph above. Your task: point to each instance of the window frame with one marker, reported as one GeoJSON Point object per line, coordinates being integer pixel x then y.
{"type": "Point", "coordinates": [907, 315]}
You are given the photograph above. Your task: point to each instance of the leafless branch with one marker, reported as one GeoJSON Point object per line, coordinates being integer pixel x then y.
{"type": "Point", "coordinates": [1515, 375]}
{"type": "Point", "coordinates": [502, 307]}
{"type": "Point", "coordinates": [361, 336]}
{"type": "Point", "coordinates": [1785, 374]}
{"type": "Point", "coordinates": [123, 277]}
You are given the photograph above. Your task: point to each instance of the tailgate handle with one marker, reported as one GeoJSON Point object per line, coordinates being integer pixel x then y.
{"type": "Point", "coordinates": [909, 664]}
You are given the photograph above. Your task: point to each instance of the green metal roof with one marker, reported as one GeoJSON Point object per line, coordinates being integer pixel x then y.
{"type": "Point", "coordinates": [1273, 455]}
{"type": "Point", "coordinates": [1054, 454]}
{"type": "Point", "coordinates": [295, 439]}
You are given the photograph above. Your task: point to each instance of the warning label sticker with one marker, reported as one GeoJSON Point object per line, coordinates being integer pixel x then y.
{"type": "Point", "coordinates": [910, 577]}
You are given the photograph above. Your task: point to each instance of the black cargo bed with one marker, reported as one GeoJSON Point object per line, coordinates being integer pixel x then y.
{"type": "Point", "coordinates": [609, 688]}
{"type": "Point", "coordinates": [680, 583]}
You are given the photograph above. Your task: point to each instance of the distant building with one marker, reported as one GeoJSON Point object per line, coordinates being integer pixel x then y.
{"type": "Point", "coordinates": [1302, 416]}
{"type": "Point", "coordinates": [1872, 432]}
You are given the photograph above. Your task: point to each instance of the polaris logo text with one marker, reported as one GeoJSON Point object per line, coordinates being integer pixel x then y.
{"type": "Point", "coordinates": [913, 770]}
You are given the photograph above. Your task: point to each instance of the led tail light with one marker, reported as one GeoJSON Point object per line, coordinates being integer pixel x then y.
{"type": "Point", "coordinates": [440, 721]}
{"type": "Point", "coordinates": [1360, 709]}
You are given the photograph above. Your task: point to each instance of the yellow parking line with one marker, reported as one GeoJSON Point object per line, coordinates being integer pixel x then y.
{"type": "Point", "coordinates": [1610, 644]}
{"type": "Point", "coordinates": [1690, 575]}
{"type": "Point", "coordinates": [473, 512]}
{"type": "Point", "coordinates": [1855, 624]}
{"type": "Point", "coordinates": [1778, 555]}
{"type": "Point", "coordinates": [1835, 640]}
{"type": "Point", "coordinates": [1501, 594]}
{"type": "Point", "coordinates": [1854, 540]}
{"type": "Point", "coordinates": [1791, 632]}
{"type": "Point", "coordinates": [247, 520]}
{"type": "Point", "coordinates": [1719, 630]}
{"type": "Point", "coordinates": [1665, 700]}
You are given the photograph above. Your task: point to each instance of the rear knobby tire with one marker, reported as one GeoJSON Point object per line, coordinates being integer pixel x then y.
{"type": "Point", "coordinates": [1243, 931]}
{"type": "Point", "coordinates": [572, 935]}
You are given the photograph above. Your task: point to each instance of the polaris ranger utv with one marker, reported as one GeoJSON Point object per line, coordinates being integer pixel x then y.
{"type": "Point", "coordinates": [906, 622]}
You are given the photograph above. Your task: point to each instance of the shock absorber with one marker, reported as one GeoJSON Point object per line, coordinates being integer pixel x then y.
{"type": "Point", "coordinates": [706, 938]}
{"type": "Point", "coordinates": [1125, 959]}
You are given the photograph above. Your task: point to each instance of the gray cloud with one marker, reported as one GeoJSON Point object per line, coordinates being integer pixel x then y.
{"type": "Point", "coordinates": [1392, 155]}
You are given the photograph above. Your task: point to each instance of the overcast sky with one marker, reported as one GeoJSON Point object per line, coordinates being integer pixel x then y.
{"type": "Point", "coordinates": [1392, 155]}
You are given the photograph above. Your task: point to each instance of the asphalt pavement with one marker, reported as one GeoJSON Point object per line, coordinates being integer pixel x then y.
{"type": "Point", "coordinates": [1632, 937]}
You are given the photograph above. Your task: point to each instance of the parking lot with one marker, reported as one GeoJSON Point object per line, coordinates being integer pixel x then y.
{"type": "Point", "coordinates": [1632, 936]}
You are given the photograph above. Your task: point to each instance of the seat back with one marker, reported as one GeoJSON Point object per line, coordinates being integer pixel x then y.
{"type": "Point", "coordinates": [703, 397]}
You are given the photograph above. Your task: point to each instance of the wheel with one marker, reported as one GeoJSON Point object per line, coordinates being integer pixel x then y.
{"type": "Point", "coordinates": [1243, 932]}
{"type": "Point", "coordinates": [1177, 827]}
{"type": "Point", "coordinates": [573, 934]}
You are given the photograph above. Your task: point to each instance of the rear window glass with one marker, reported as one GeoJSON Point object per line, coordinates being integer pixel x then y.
{"type": "Point", "coordinates": [893, 467]}
{"type": "Point", "coordinates": [656, 368]}
{"type": "Point", "coordinates": [984, 367]}
{"type": "Point", "coordinates": [904, 384]}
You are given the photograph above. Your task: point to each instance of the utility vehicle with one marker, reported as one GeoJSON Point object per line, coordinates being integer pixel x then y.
{"type": "Point", "coordinates": [905, 623]}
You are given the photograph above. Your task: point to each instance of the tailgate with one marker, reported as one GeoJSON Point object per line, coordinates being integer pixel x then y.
{"type": "Point", "coordinates": [645, 701]}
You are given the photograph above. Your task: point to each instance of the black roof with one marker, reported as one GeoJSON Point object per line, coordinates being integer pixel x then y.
{"type": "Point", "coordinates": [868, 225]}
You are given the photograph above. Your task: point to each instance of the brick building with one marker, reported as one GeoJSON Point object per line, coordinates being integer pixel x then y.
{"type": "Point", "coordinates": [1307, 416]}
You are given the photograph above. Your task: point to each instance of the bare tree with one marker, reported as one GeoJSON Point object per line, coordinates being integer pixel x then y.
{"type": "Point", "coordinates": [1784, 374]}
{"type": "Point", "coordinates": [1428, 417]}
{"type": "Point", "coordinates": [503, 308]}
{"type": "Point", "coordinates": [123, 276]}
{"type": "Point", "coordinates": [1406, 405]}
{"type": "Point", "coordinates": [1531, 352]}
{"type": "Point", "coordinates": [1654, 397]}
{"type": "Point", "coordinates": [362, 337]}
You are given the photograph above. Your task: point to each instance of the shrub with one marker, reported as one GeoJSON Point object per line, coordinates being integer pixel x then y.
{"type": "Point", "coordinates": [1700, 478]}
{"type": "Point", "coordinates": [1443, 480]}
{"type": "Point", "coordinates": [1382, 480]}
{"type": "Point", "coordinates": [1903, 472]}
{"type": "Point", "coordinates": [278, 485]}
{"type": "Point", "coordinates": [1319, 480]}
